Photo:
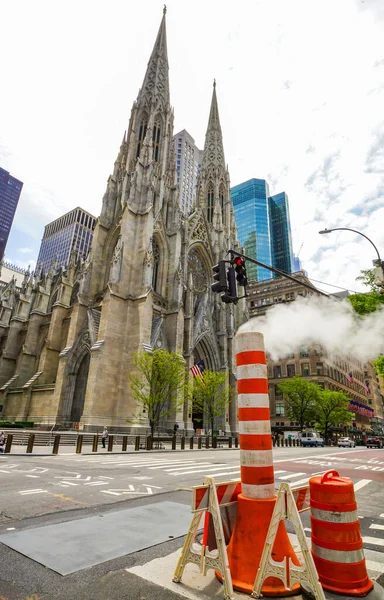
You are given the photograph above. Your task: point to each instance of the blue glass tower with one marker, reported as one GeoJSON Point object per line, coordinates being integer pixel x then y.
{"type": "Point", "coordinates": [281, 237]}
{"type": "Point", "coordinates": [10, 190]}
{"type": "Point", "coordinates": [251, 207]}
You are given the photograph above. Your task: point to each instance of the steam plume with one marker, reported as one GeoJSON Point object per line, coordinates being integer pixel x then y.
{"type": "Point", "coordinates": [330, 323]}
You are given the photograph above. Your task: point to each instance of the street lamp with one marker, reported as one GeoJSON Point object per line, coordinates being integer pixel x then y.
{"type": "Point", "coordinates": [376, 263]}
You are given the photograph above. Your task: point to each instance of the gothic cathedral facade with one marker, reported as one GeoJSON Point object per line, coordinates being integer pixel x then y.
{"type": "Point", "coordinates": [68, 338]}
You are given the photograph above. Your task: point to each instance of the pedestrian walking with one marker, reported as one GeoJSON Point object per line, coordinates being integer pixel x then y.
{"type": "Point", "coordinates": [104, 436]}
{"type": "Point", "coordinates": [175, 428]}
{"type": "Point", "coordinates": [2, 441]}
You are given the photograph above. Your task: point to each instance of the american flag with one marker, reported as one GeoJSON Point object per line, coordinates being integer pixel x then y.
{"type": "Point", "coordinates": [198, 369]}
{"type": "Point", "coordinates": [366, 387]}
{"type": "Point", "coordinates": [349, 377]}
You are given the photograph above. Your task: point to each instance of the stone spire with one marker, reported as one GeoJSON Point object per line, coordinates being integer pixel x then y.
{"type": "Point", "coordinates": [155, 88]}
{"type": "Point", "coordinates": [213, 157]}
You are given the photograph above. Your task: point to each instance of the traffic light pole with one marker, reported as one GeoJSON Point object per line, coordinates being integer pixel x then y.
{"type": "Point", "coordinates": [274, 270]}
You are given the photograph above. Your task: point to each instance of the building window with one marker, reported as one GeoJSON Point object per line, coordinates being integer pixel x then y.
{"type": "Point", "coordinates": [304, 352]}
{"type": "Point", "coordinates": [280, 410]}
{"type": "Point", "coordinates": [210, 204]}
{"type": "Point", "coordinates": [156, 262]}
{"type": "Point", "coordinates": [156, 141]}
{"type": "Point", "coordinates": [277, 371]}
{"type": "Point", "coordinates": [291, 370]}
{"type": "Point", "coordinates": [221, 195]}
{"type": "Point", "coordinates": [305, 369]}
{"type": "Point", "coordinates": [319, 368]}
{"type": "Point", "coordinates": [142, 132]}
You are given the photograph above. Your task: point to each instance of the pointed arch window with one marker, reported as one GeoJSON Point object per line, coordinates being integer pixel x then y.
{"type": "Point", "coordinates": [156, 264]}
{"type": "Point", "coordinates": [142, 132]}
{"type": "Point", "coordinates": [210, 204]}
{"type": "Point", "coordinates": [222, 202]}
{"type": "Point", "coordinates": [156, 141]}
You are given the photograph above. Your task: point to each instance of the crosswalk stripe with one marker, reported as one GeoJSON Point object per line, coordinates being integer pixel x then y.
{"type": "Point", "coordinates": [276, 472]}
{"type": "Point", "coordinates": [374, 541]}
{"type": "Point", "coordinates": [193, 466]}
{"type": "Point", "coordinates": [203, 470]}
{"type": "Point", "coordinates": [292, 475]}
{"type": "Point", "coordinates": [360, 484]}
{"type": "Point", "coordinates": [300, 481]}
{"type": "Point", "coordinates": [376, 526]}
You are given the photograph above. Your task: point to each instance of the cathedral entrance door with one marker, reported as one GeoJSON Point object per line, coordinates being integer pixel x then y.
{"type": "Point", "coordinates": [197, 419]}
{"type": "Point", "coordinates": [80, 389]}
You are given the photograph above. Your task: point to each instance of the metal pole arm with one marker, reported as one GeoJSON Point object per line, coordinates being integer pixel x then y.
{"type": "Point", "coordinates": [281, 273]}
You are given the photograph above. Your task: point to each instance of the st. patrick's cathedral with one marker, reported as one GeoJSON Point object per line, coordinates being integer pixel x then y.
{"type": "Point", "coordinates": [69, 336]}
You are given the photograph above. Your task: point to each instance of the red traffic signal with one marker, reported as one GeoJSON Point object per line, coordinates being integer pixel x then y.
{"type": "Point", "coordinates": [241, 271]}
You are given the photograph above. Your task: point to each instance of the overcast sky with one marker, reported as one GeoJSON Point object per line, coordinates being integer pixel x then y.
{"type": "Point", "coordinates": [300, 87]}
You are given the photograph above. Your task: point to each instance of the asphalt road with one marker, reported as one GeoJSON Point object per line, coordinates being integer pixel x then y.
{"type": "Point", "coordinates": [37, 490]}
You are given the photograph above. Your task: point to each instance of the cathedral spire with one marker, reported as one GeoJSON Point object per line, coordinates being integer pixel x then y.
{"type": "Point", "coordinates": [155, 88]}
{"type": "Point", "coordinates": [213, 157]}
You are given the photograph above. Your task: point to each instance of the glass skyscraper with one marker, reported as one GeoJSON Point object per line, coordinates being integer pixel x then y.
{"type": "Point", "coordinates": [10, 190]}
{"type": "Point", "coordinates": [73, 231]}
{"type": "Point", "coordinates": [280, 224]}
{"type": "Point", "coordinates": [263, 227]}
{"type": "Point", "coordinates": [251, 207]}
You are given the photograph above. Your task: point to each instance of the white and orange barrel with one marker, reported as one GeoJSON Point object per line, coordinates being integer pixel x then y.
{"type": "Point", "coordinates": [337, 545]}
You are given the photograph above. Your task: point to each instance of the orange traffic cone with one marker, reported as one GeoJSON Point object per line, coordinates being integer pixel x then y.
{"type": "Point", "coordinates": [256, 503]}
{"type": "Point", "coordinates": [337, 546]}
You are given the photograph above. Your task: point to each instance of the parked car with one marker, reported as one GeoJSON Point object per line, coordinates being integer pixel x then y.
{"type": "Point", "coordinates": [346, 442]}
{"type": "Point", "coordinates": [374, 442]}
{"type": "Point", "coordinates": [311, 438]}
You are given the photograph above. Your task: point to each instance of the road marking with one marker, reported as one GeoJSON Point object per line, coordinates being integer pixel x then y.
{"type": "Point", "coordinates": [193, 466]}
{"type": "Point", "coordinates": [203, 470]}
{"type": "Point", "coordinates": [188, 463]}
{"type": "Point", "coordinates": [231, 473]}
{"type": "Point", "coordinates": [292, 475]}
{"type": "Point", "coordinates": [66, 483]}
{"type": "Point", "coordinates": [360, 484]}
{"type": "Point", "coordinates": [35, 476]}
{"type": "Point", "coordinates": [381, 516]}
{"type": "Point", "coordinates": [376, 526]}
{"type": "Point", "coordinates": [280, 472]}
{"type": "Point", "coordinates": [27, 492]}
{"type": "Point", "coordinates": [142, 478]}
{"type": "Point", "coordinates": [301, 481]}
{"type": "Point", "coordinates": [374, 541]}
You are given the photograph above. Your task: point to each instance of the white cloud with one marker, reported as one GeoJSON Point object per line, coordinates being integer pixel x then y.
{"type": "Point", "coordinates": [300, 87]}
{"type": "Point", "coordinates": [25, 250]}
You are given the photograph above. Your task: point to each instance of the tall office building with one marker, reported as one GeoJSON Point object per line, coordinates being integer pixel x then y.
{"type": "Point", "coordinates": [251, 207]}
{"type": "Point", "coordinates": [296, 264]}
{"type": "Point", "coordinates": [10, 190]}
{"type": "Point", "coordinates": [188, 163]}
{"type": "Point", "coordinates": [72, 231]}
{"type": "Point", "coordinates": [263, 226]}
{"type": "Point", "coordinates": [281, 237]}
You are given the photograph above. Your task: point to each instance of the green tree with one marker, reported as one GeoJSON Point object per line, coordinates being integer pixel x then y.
{"type": "Point", "coordinates": [379, 365]}
{"type": "Point", "coordinates": [157, 387]}
{"type": "Point", "coordinates": [368, 278]}
{"type": "Point", "coordinates": [366, 303]}
{"type": "Point", "coordinates": [211, 394]}
{"type": "Point", "coordinates": [300, 396]}
{"type": "Point", "coordinates": [331, 409]}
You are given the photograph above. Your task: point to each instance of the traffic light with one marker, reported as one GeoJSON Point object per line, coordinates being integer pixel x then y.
{"type": "Point", "coordinates": [231, 293]}
{"type": "Point", "coordinates": [241, 272]}
{"type": "Point", "coordinates": [220, 276]}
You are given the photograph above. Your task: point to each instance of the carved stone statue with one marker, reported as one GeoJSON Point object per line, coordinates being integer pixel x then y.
{"type": "Point", "coordinates": [115, 270]}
